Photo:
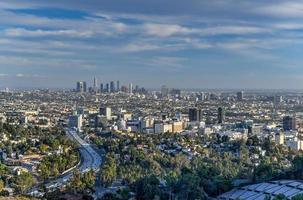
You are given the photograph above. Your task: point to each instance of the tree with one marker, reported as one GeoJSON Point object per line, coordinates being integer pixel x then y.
{"type": "Point", "coordinates": [23, 182]}
{"type": "Point", "coordinates": [43, 148]}
{"type": "Point", "coordinates": [109, 196]}
{"type": "Point", "coordinates": [45, 171]}
{"type": "Point", "coordinates": [56, 169]}
{"type": "Point", "coordinates": [280, 197]}
{"type": "Point", "coordinates": [109, 170]}
{"type": "Point", "coordinates": [298, 165]}
{"type": "Point", "coordinates": [147, 188]}
{"type": "Point", "coordinates": [2, 185]}
{"type": "Point", "coordinates": [263, 172]}
{"type": "Point", "coordinates": [76, 182]}
{"type": "Point", "coordinates": [297, 197]}
{"type": "Point", "coordinates": [9, 150]}
{"type": "Point", "coordinates": [89, 179]}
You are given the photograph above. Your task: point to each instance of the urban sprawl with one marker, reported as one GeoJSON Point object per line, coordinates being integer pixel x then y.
{"type": "Point", "coordinates": [110, 141]}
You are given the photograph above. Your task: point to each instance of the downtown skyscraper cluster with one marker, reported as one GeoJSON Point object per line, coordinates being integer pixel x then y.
{"type": "Point", "coordinates": [109, 87]}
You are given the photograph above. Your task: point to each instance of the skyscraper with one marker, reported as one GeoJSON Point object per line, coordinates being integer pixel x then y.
{"type": "Point", "coordinates": [240, 96]}
{"type": "Point", "coordinates": [101, 87]}
{"type": "Point", "coordinates": [95, 83]}
{"type": "Point", "coordinates": [81, 86]}
{"type": "Point", "coordinates": [221, 115]}
{"type": "Point", "coordinates": [202, 96]}
{"type": "Point", "coordinates": [112, 87]}
{"type": "Point", "coordinates": [118, 86]}
{"type": "Point", "coordinates": [130, 88]}
{"type": "Point", "coordinates": [75, 121]}
{"type": "Point", "coordinates": [289, 123]}
{"type": "Point", "coordinates": [164, 91]}
{"type": "Point", "coordinates": [195, 115]}
{"type": "Point", "coordinates": [107, 87]}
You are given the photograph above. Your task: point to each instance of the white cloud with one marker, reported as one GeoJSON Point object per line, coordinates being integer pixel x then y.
{"type": "Point", "coordinates": [288, 25]}
{"type": "Point", "coordinates": [165, 30]}
{"type": "Point", "coordinates": [3, 75]}
{"type": "Point", "coordinates": [20, 32]}
{"type": "Point", "coordinates": [234, 30]}
{"type": "Point", "coordinates": [136, 47]}
{"type": "Point", "coordinates": [286, 9]}
{"type": "Point", "coordinates": [21, 75]}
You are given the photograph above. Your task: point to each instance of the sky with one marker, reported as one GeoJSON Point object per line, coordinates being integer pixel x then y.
{"type": "Point", "coordinates": [179, 43]}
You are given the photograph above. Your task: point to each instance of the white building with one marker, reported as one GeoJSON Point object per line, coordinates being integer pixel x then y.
{"type": "Point", "coordinates": [75, 121]}
{"type": "Point", "coordinates": [163, 128]}
{"type": "Point", "coordinates": [107, 112]}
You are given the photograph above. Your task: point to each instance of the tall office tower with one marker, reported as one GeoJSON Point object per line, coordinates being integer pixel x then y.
{"type": "Point", "coordinates": [164, 91]}
{"type": "Point", "coordinates": [107, 112]}
{"type": "Point", "coordinates": [240, 96]}
{"type": "Point", "coordinates": [195, 115]}
{"type": "Point", "coordinates": [95, 83]}
{"type": "Point", "coordinates": [101, 87]}
{"type": "Point", "coordinates": [130, 88]}
{"type": "Point", "coordinates": [84, 87]}
{"type": "Point", "coordinates": [202, 96]}
{"type": "Point", "coordinates": [118, 86]}
{"type": "Point", "coordinates": [75, 121]}
{"type": "Point", "coordinates": [221, 115]}
{"type": "Point", "coordinates": [107, 88]}
{"type": "Point", "coordinates": [289, 123]}
{"type": "Point", "coordinates": [137, 88]}
{"type": "Point", "coordinates": [81, 86]}
{"type": "Point", "coordinates": [112, 87]}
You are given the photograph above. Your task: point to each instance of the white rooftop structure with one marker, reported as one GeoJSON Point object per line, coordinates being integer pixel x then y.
{"type": "Point", "coordinates": [289, 188]}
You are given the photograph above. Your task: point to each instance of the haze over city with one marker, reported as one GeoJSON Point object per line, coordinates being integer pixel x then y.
{"type": "Point", "coordinates": [151, 100]}
{"type": "Point", "coordinates": [183, 44]}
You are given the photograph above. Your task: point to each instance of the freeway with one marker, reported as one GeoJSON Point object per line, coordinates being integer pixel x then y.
{"type": "Point", "coordinates": [90, 160]}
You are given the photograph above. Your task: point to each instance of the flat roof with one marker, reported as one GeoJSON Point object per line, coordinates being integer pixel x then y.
{"type": "Point", "coordinates": [258, 191]}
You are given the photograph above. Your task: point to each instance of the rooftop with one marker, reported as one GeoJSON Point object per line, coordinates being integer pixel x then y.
{"type": "Point", "coordinates": [289, 188]}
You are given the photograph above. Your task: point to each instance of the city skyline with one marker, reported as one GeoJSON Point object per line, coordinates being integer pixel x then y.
{"type": "Point", "coordinates": [192, 44]}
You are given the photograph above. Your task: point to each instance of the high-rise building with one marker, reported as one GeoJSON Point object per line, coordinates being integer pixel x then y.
{"type": "Point", "coordinates": [221, 115]}
{"type": "Point", "coordinates": [137, 88]}
{"type": "Point", "coordinates": [107, 87]}
{"type": "Point", "coordinates": [118, 86]}
{"type": "Point", "coordinates": [240, 96]}
{"type": "Point", "coordinates": [289, 123]}
{"type": "Point", "coordinates": [130, 88]}
{"type": "Point", "coordinates": [81, 86]}
{"type": "Point", "coordinates": [195, 115]}
{"type": "Point", "coordinates": [95, 83]}
{"type": "Point", "coordinates": [112, 87]}
{"type": "Point", "coordinates": [164, 91]}
{"type": "Point", "coordinates": [101, 87]}
{"type": "Point", "coordinates": [75, 121]}
{"type": "Point", "coordinates": [107, 112]}
{"type": "Point", "coordinates": [202, 96]}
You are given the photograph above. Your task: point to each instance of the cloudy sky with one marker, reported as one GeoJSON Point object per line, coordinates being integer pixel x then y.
{"type": "Point", "coordinates": [180, 43]}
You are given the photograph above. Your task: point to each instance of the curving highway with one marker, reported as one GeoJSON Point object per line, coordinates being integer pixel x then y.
{"type": "Point", "coordinates": [90, 160]}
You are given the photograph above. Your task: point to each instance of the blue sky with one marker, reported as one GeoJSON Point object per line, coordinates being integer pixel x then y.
{"type": "Point", "coordinates": [185, 44]}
